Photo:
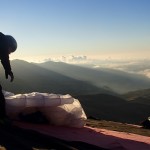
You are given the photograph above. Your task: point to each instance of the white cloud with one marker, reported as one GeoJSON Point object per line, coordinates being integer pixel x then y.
{"type": "Point", "coordinates": [145, 72]}
{"type": "Point", "coordinates": [77, 59]}
{"type": "Point", "coordinates": [70, 59]}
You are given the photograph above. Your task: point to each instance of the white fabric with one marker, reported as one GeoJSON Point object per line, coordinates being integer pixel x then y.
{"type": "Point", "coordinates": [58, 109]}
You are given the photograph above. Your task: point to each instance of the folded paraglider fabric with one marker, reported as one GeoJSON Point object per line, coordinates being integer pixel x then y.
{"type": "Point", "coordinates": [57, 109]}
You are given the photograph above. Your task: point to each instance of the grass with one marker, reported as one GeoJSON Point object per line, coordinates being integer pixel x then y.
{"type": "Point", "coordinates": [116, 126]}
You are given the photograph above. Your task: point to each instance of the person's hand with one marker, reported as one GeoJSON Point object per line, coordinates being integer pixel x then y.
{"type": "Point", "coordinates": [9, 74]}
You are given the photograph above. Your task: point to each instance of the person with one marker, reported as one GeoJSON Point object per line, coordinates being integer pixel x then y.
{"type": "Point", "coordinates": [7, 45]}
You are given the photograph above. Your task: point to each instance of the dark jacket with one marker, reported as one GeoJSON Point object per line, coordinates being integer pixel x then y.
{"type": "Point", "coordinates": [4, 55]}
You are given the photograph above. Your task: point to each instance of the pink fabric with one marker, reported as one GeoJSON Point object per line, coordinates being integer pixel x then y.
{"type": "Point", "coordinates": [100, 137]}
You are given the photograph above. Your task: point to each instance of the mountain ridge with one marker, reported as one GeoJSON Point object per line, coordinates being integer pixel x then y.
{"type": "Point", "coordinates": [116, 80]}
{"type": "Point", "coordinates": [107, 79]}
{"type": "Point", "coordinates": [139, 96]}
{"type": "Point", "coordinates": [30, 77]}
{"type": "Point", "coordinates": [113, 108]}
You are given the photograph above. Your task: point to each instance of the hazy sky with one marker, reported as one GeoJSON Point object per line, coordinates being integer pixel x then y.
{"type": "Point", "coordinates": [92, 28]}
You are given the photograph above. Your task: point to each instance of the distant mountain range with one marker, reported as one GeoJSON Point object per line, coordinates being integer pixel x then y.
{"type": "Point", "coordinates": [118, 81]}
{"type": "Point", "coordinates": [31, 77]}
{"type": "Point", "coordinates": [139, 96]}
{"type": "Point", "coordinates": [59, 77]}
{"type": "Point", "coordinates": [113, 108]}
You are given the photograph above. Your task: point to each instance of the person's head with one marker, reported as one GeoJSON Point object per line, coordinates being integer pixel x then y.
{"type": "Point", "coordinates": [12, 44]}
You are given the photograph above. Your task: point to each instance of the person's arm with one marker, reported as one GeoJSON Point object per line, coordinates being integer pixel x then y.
{"type": "Point", "coordinates": [6, 64]}
{"type": "Point", "coordinates": [4, 56]}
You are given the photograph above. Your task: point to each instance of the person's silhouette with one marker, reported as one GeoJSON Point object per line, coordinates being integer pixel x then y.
{"type": "Point", "coordinates": [7, 45]}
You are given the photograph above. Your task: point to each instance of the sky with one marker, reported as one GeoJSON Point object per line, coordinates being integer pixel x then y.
{"type": "Point", "coordinates": [94, 29]}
